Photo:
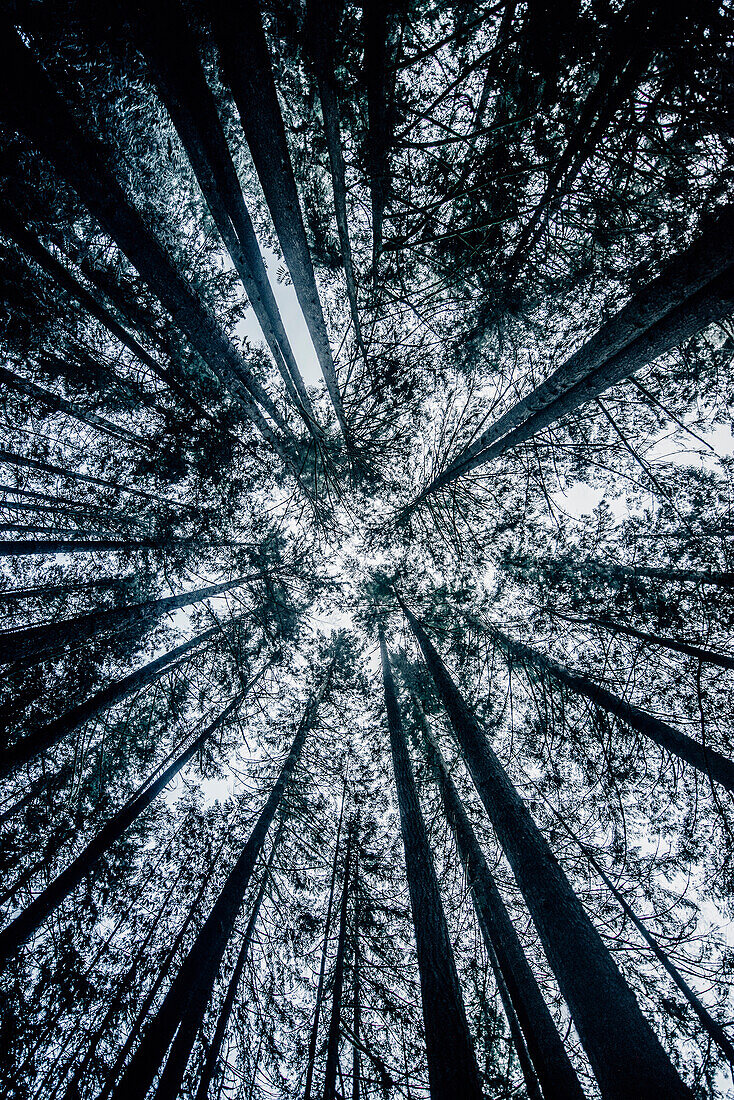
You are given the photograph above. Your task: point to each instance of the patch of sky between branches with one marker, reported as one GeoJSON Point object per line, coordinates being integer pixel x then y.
{"type": "Point", "coordinates": [293, 322]}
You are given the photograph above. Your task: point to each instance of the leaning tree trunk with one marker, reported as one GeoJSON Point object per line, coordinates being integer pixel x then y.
{"type": "Point", "coordinates": [675, 645]}
{"type": "Point", "coordinates": [215, 1047]}
{"type": "Point", "coordinates": [38, 641]}
{"type": "Point", "coordinates": [45, 119]}
{"type": "Point", "coordinates": [452, 1066]}
{"type": "Point", "coordinates": [59, 404]}
{"type": "Point", "coordinates": [313, 1038]}
{"type": "Point", "coordinates": [715, 765]}
{"type": "Point", "coordinates": [334, 1033]}
{"type": "Point", "coordinates": [183, 1008]}
{"type": "Point", "coordinates": [376, 81]}
{"type": "Point", "coordinates": [10, 458]}
{"type": "Point", "coordinates": [694, 289]}
{"type": "Point", "coordinates": [25, 924]}
{"type": "Point", "coordinates": [625, 1054]}
{"type": "Point", "coordinates": [246, 63]}
{"type": "Point", "coordinates": [27, 749]}
{"type": "Point", "coordinates": [172, 56]}
{"type": "Point", "coordinates": [550, 1062]}
{"type": "Point", "coordinates": [49, 264]}
{"type": "Point", "coordinates": [323, 22]}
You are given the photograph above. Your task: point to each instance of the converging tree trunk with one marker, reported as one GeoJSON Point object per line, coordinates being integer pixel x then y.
{"type": "Point", "coordinates": [28, 748]}
{"type": "Point", "coordinates": [334, 1033]}
{"type": "Point", "coordinates": [695, 289]}
{"type": "Point", "coordinates": [22, 927]}
{"type": "Point", "coordinates": [549, 1060]}
{"type": "Point", "coordinates": [215, 1047]}
{"type": "Point", "coordinates": [246, 62]}
{"type": "Point", "coordinates": [45, 118]}
{"type": "Point", "coordinates": [182, 1010]}
{"type": "Point", "coordinates": [715, 765]}
{"type": "Point", "coordinates": [172, 55]}
{"type": "Point", "coordinates": [452, 1066]}
{"type": "Point", "coordinates": [28, 642]}
{"type": "Point", "coordinates": [625, 1054]}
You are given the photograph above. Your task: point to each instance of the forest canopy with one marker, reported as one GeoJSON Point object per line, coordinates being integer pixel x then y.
{"type": "Point", "coordinates": [366, 568]}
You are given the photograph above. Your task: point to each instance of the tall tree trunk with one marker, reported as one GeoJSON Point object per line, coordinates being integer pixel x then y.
{"type": "Point", "coordinates": [452, 1067]}
{"type": "Point", "coordinates": [323, 23]}
{"type": "Point", "coordinates": [246, 64]}
{"type": "Point", "coordinates": [68, 408]}
{"type": "Point", "coordinates": [376, 32]}
{"type": "Point", "coordinates": [313, 1038]}
{"type": "Point", "coordinates": [334, 1034]}
{"type": "Point", "coordinates": [48, 263]}
{"type": "Point", "coordinates": [548, 1056]}
{"type": "Point", "coordinates": [625, 1054]}
{"type": "Point", "coordinates": [51, 591]}
{"type": "Point", "coordinates": [37, 641]}
{"type": "Point", "coordinates": [10, 458]}
{"type": "Point", "coordinates": [215, 1047]}
{"type": "Point", "coordinates": [25, 924]}
{"type": "Point", "coordinates": [45, 119]}
{"type": "Point", "coordinates": [161, 976]}
{"type": "Point", "coordinates": [695, 289]}
{"type": "Point", "coordinates": [356, 993]}
{"type": "Point", "coordinates": [715, 765]}
{"type": "Point", "coordinates": [27, 749]}
{"type": "Point", "coordinates": [184, 1006]}
{"type": "Point", "coordinates": [675, 645]}
{"type": "Point", "coordinates": [172, 55]}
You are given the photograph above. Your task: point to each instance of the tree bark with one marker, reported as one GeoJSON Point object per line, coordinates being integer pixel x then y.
{"type": "Point", "coordinates": [27, 749]}
{"type": "Point", "coordinates": [246, 64]}
{"type": "Point", "coordinates": [323, 20]}
{"type": "Point", "coordinates": [676, 645]}
{"type": "Point", "coordinates": [715, 765]}
{"type": "Point", "coordinates": [334, 1034]}
{"type": "Point", "coordinates": [313, 1038]}
{"type": "Point", "coordinates": [549, 1060]}
{"type": "Point", "coordinates": [45, 119]}
{"type": "Point", "coordinates": [37, 641]}
{"type": "Point", "coordinates": [172, 56]}
{"type": "Point", "coordinates": [22, 927]}
{"type": "Point", "coordinates": [452, 1067]}
{"type": "Point", "coordinates": [225, 1012]}
{"type": "Point", "coordinates": [625, 1054]}
{"type": "Point", "coordinates": [695, 289]}
{"type": "Point", "coordinates": [184, 1005]}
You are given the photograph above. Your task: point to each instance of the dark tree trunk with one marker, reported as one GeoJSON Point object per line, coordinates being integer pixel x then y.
{"type": "Point", "coordinates": [376, 29]}
{"type": "Point", "coordinates": [212, 1057]}
{"type": "Point", "coordinates": [334, 1034]}
{"type": "Point", "coordinates": [695, 289]}
{"type": "Point", "coordinates": [25, 924]}
{"type": "Point", "coordinates": [172, 55]}
{"type": "Point", "coordinates": [548, 1056]}
{"type": "Point", "coordinates": [52, 591]}
{"type": "Point", "coordinates": [246, 63]}
{"type": "Point", "coordinates": [323, 21]}
{"type": "Point", "coordinates": [452, 1067]}
{"type": "Point", "coordinates": [313, 1038]}
{"type": "Point", "coordinates": [68, 408]}
{"type": "Point", "coordinates": [12, 459]}
{"type": "Point", "coordinates": [676, 645]}
{"type": "Point", "coordinates": [184, 1006]}
{"type": "Point", "coordinates": [715, 765]}
{"type": "Point", "coordinates": [48, 263]}
{"type": "Point", "coordinates": [356, 993]}
{"type": "Point", "coordinates": [625, 1054]}
{"type": "Point", "coordinates": [45, 119]}
{"type": "Point", "coordinates": [38, 641]}
{"type": "Point", "coordinates": [27, 749]}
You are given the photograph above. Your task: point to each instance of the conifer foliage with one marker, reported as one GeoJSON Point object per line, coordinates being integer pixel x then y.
{"type": "Point", "coordinates": [366, 561]}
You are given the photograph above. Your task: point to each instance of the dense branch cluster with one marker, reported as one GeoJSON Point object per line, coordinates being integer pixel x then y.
{"type": "Point", "coordinates": [366, 575]}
